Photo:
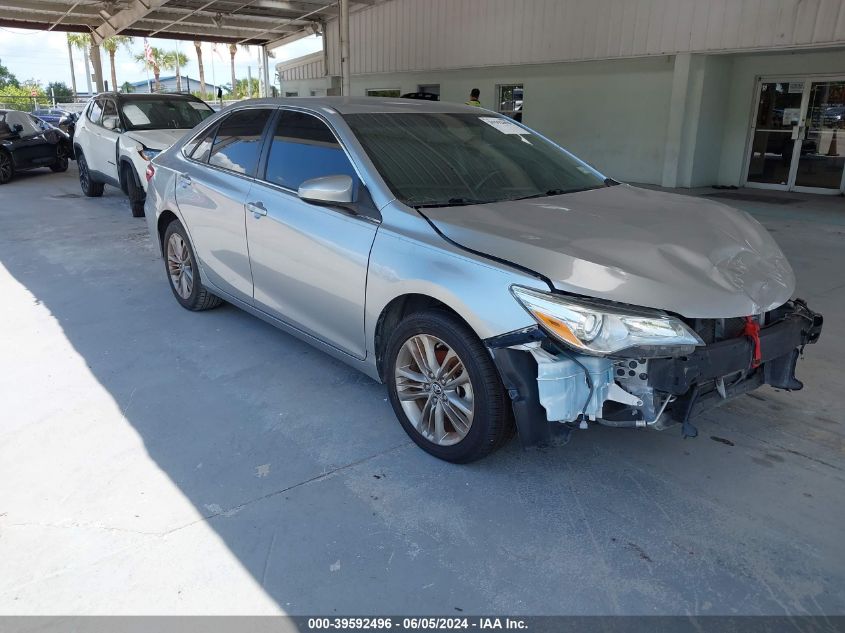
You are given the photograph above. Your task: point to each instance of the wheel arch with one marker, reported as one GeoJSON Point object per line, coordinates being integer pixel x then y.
{"type": "Point", "coordinates": [164, 220]}
{"type": "Point", "coordinates": [399, 308]}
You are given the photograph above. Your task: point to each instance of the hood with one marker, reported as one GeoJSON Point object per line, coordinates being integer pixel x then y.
{"type": "Point", "coordinates": [156, 139]}
{"type": "Point", "coordinates": [683, 254]}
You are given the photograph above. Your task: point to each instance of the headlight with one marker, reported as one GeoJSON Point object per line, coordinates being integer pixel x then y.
{"type": "Point", "coordinates": [148, 154]}
{"type": "Point", "coordinates": [594, 328]}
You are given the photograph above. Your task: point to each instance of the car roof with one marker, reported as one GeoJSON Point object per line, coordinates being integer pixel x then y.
{"type": "Point", "coordinates": [137, 96]}
{"type": "Point", "coordinates": [364, 105]}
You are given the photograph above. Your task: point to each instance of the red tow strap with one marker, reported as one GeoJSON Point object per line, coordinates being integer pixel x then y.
{"type": "Point", "coordinates": [752, 330]}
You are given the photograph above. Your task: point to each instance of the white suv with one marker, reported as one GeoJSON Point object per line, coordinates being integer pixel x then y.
{"type": "Point", "coordinates": [118, 134]}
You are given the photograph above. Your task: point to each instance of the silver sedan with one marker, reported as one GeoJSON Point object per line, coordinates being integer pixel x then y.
{"type": "Point", "coordinates": [491, 279]}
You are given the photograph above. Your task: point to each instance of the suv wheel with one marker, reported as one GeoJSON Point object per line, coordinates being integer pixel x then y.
{"type": "Point", "coordinates": [90, 188]}
{"type": "Point", "coordinates": [183, 272]}
{"type": "Point", "coordinates": [445, 389]}
{"type": "Point", "coordinates": [135, 191]}
{"type": "Point", "coordinates": [62, 158]}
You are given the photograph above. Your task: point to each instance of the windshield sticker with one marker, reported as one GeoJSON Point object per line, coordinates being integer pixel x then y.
{"type": "Point", "coordinates": [199, 106]}
{"type": "Point", "coordinates": [135, 114]}
{"type": "Point", "coordinates": [503, 125]}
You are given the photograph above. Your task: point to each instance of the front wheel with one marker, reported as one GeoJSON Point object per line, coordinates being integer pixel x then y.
{"type": "Point", "coordinates": [183, 272]}
{"type": "Point", "coordinates": [445, 389]}
{"type": "Point", "coordinates": [90, 188]}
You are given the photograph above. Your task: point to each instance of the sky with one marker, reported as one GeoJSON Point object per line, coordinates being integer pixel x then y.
{"type": "Point", "coordinates": [43, 56]}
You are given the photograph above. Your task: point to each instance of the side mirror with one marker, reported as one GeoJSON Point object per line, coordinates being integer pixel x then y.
{"type": "Point", "coordinates": [110, 122]}
{"type": "Point", "coordinates": [17, 128]}
{"type": "Point", "coordinates": [327, 189]}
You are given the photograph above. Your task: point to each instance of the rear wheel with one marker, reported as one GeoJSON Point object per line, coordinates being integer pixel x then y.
{"type": "Point", "coordinates": [7, 169]}
{"type": "Point", "coordinates": [134, 191]}
{"type": "Point", "coordinates": [90, 188]}
{"type": "Point", "coordinates": [62, 158]}
{"type": "Point", "coordinates": [183, 272]}
{"type": "Point", "coordinates": [445, 389]}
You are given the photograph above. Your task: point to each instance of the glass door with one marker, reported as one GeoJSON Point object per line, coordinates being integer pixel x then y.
{"type": "Point", "coordinates": [821, 163]}
{"type": "Point", "coordinates": [777, 127]}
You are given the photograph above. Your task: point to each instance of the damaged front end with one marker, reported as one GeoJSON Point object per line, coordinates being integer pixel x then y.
{"type": "Point", "coordinates": [624, 367]}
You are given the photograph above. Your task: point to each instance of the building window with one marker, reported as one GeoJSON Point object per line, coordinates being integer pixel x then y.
{"type": "Point", "coordinates": [294, 93]}
{"type": "Point", "coordinates": [384, 92]}
{"type": "Point", "coordinates": [510, 100]}
{"type": "Point", "coordinates": [429, 88]}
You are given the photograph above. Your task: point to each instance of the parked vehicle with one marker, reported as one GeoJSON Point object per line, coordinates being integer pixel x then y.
{"type": "Point", "coordinates": [481, 271]}
{"type": "Point", "coordinates": [62, 119]}
{"type": "Point", "coordinates": [117, 135]}
{"type": "Point", "coordinates": [27, 143]}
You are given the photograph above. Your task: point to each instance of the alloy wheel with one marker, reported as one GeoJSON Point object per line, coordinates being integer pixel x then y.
{"type": "Point", "coordinates": [179, 266]}
{"type": "Point", "coordinates": [82, 164]}
{"type": "Point", "coordinates": [434, 389]}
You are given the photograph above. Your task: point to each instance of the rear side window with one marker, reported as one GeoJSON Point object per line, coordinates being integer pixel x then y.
{"type": "Point", "coordinates": [304, 147]}
{"type": "Point", "coordinates": [238, 142]}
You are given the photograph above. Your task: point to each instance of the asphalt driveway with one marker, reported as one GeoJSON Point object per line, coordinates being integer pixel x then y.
{"type": "Point", "coordinates": [154, 460]}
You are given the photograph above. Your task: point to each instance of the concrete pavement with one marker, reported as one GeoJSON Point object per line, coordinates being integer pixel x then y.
{"type": "Point", "coordinates": [158, 461]}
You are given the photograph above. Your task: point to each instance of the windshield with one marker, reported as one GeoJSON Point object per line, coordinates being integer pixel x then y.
{"type": "Point", "coordinates": [160, 113]}
{"type": "Point", "coordinates": [452, 159]}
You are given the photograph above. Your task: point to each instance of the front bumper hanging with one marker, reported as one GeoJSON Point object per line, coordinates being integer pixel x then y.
{"type": "Point", "coordinates": [709, 376]}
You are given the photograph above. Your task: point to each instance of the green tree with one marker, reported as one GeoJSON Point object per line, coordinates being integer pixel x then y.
{"type": "Point", "coordinates": [127, 87]}
{"type": "Point", "coordinates": [246, 89]}
{"type": "Point", "coordinates": [111, 46]}
{"type": "Point", "coordinates": [59, 91]}
{"type": "Point", "coordinates": [7, 79]}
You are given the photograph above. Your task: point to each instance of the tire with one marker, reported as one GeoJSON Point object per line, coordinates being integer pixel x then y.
{"type": "Point", "coordinates": [490, 419]}
{"type": "Point", "coordinates": [187, 287]}
{"type": "Point", "coordinates": [62, 159]}
{"type": "Point", "coordinates": [7, 167]}
{"type": "Point", "coordinates": [90, 188]}
{"type": "Point", "coordinates": [136, 193]}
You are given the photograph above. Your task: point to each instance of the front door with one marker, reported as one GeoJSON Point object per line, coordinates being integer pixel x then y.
{"type": "Point", "coordinates": [309, 261]}
{"type": "Point", "coordinates": [796, 140]}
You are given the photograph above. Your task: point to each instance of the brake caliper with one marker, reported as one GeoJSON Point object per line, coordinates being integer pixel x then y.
{"type": "Point", "coordinates": [752, 330]}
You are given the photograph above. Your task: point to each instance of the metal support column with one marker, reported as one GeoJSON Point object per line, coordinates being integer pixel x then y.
{"type": "Point", "coordinates": [265, 72]}
{"type": "Point", "coordinates": [98, 67]}
{"type": "Point", "coordinates": [345, 82]}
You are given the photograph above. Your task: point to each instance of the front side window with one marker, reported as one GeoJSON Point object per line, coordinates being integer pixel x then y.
{"type": "Point", "coordinates": [439, 159]}
{"type": "Point", "coordinates": [95, 111]}
{"type": "Point", "coordinates": [159, 112]}
{"type": "Point", "coordinates": [304, 147]}
{"type": "Point", "coordinates": [238, 142]}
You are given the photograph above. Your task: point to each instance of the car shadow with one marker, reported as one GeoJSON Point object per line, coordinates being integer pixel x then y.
{"type": "Point", "coordinates": [297, 462]}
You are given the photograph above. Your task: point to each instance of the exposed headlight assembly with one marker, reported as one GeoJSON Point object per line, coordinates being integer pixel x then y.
{"type": "Point", "coordinates": [148, 154]}
{"type": "Point", "coordinates": [599, 329]}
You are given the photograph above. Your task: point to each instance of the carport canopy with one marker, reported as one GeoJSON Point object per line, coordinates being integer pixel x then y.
{"type": "Point", "coordinates": [266, 23]}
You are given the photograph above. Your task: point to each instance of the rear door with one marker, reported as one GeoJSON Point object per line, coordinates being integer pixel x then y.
{"type": "Point", "coordinates": [309, 261]}
{"type": "Point", "coordinates": [211, 192]}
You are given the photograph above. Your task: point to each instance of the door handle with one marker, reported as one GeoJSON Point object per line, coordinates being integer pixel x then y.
{"type": "Point", "coordinates": [257, 209]}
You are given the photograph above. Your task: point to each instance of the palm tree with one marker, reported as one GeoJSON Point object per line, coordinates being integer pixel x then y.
{"type": "Point", "coordinates": [175, 59]}
{"type": "Point", "coordinates": [82, 42]}
{"type": "Point", "coordinates": [233, 48]}
{"type": "Point", "coordinates": [157, 61]}
{"type": "Point", "coordinates": [70, 58]}
{"type": "Point", "coordinates": [198, 47]}
{"type": "Point", "coordinates": [112, 44]}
